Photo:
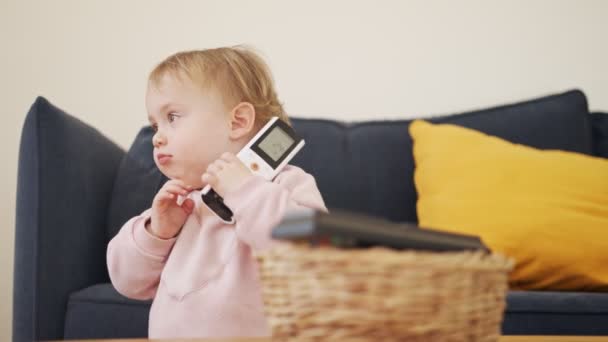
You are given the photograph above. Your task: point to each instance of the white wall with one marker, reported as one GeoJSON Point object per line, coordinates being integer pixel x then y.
{"type": "Point", "coordinates": [334, 59]}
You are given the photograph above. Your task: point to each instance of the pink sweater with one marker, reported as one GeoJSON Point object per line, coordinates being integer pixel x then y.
{"type": "Point", "coordinates": [205, 281]}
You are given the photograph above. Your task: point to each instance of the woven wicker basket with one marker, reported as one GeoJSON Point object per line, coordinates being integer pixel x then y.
{"type": "Point", "coordinates": [379, 294]}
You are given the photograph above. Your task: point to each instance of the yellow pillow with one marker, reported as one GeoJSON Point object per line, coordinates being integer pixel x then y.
{"type": "Point", "coordinates": [546, 209]}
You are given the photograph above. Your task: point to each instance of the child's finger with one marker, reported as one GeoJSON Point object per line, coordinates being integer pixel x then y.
{"type": "Point", "coordinates": [163, 196]}
{"type": "Point", "coordinates": [228, 157]}
{"type": "Point", "coordinates": [178, 183]}
{"type": "Point", "coordinates": [209, 178]}
{"type": "Point", "coordinates": [214, 167]}
{"type": "Point", "coordinates": [188, 205]}
{"type": "Point", "coordinates": [175, 189]}
{"type": "Point", "coordinates": [221, 163]}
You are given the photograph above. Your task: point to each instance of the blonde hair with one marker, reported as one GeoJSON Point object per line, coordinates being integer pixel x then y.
{"type": "Point", "coordinates": [237, 73]}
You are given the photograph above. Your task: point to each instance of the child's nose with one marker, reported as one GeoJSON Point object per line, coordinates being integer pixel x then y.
{"type": "Point", "coordinates": [158, 140]}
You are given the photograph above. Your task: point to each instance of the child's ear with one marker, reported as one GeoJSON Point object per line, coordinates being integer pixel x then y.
{"type": "Point", "coordinates": [242, 120]}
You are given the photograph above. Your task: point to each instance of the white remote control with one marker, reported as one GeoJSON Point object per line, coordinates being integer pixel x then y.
{"type": "Point", "coordinates": [264, 155]}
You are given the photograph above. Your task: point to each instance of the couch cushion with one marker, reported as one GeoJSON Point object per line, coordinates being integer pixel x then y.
{"type": "Point", "coordinates": [553, 122]}
{"type": "Point", "coordinates": [556, 313]}
{"type": "Point", "coordinates": [599, 123]}
{"type": "Point", "coordinates": [326, 157]}
{"type": "Point", "coordinates": [380, 170]}
{"type": "Point", "coordinates": [137, 181]}
{"type": "Point", "coordinates": [101, 312]}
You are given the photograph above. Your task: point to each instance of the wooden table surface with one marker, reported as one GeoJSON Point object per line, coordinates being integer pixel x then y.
{"type": "Point", "coordinates": [514, 338]}
{"type": "Point", "coordinates": [553, 338]}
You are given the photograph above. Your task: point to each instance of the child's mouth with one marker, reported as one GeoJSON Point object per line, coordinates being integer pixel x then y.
{"type": "Point", "coordinates": [163, 159]}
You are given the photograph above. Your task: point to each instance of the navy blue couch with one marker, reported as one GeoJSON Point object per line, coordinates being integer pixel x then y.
{"type": "Point", "coordinates": [76, 188]}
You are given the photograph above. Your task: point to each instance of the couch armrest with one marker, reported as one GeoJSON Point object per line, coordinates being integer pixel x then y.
{"type": "Point", "coordinates": [64, 183]}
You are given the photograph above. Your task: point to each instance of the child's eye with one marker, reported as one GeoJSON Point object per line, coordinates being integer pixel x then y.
{"type": "Point", "coordinates": [154, 127]}
{"type": "Point", "coordinates": [172, 117]}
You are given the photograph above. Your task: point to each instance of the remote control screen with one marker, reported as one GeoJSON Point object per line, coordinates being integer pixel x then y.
{"type": "Point", "coordinates": [276, 143]}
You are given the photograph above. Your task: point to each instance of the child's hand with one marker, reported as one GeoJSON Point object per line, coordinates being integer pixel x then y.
{"type": "Point", "coordinates": [167, 216]}
{"type": "Point", "coordinates": [226, 174]}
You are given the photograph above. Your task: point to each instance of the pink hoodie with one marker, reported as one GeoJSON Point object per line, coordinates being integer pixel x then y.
{"type": "Point", "coordinates": [205, 281]}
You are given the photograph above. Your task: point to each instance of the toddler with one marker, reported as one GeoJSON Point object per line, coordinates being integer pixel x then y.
{"type": "Point", "coordinates": [200, 272]}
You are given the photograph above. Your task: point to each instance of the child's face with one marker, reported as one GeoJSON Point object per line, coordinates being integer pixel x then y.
{"type": "Point", "coordinates": [192, 128]}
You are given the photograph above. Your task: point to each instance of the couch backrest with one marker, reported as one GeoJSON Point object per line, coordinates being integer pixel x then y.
{"type": "Point", "coordinates": [368, 166]}
{"type": "Point", "coordinates": [599, 124]}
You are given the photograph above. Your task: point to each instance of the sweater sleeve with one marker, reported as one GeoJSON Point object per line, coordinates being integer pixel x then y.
{"type": "Point", "coordinates": [136, 259]}
{"type": "Point", "coordinates": [259, 205]}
